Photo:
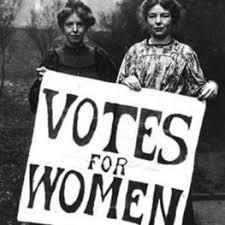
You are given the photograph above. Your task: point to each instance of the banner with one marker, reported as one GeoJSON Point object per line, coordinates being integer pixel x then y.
{"type": "Point", "coordinates": [103, 154]}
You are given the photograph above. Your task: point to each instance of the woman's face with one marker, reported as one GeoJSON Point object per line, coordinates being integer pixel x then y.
{"type": "Point", "coordinates": [159, 22]}
{"type": "Point", "coordinates": [74, 29]}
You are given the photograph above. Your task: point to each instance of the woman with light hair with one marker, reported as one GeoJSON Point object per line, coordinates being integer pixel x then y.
{"type": "Point", "coordinates": [161, 62]}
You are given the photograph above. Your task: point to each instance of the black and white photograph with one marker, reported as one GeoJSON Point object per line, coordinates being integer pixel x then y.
{"type": "Point", "coordinates": [112, 112]}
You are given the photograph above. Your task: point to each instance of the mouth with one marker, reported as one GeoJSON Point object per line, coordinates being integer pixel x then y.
{"type": "Point", "coordinates": [74, 36]}
{"type": "Point", "coordinates": [158, 29]}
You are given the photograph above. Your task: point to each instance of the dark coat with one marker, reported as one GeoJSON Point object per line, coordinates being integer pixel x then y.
{"type": "Point", "coordinates": [84, 61]}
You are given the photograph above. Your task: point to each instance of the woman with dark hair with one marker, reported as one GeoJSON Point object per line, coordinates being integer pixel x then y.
{"type": "Point", "coordinates": [160, 62]}
{"type": "Point", "coordinates": [75, 57]}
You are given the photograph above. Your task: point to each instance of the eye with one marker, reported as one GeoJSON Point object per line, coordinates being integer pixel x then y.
{"type": "Point", "coordinates": [151, 15]}
{"type": "Point", "coordinates": [80, 24]}
{"type": "Point", "coordinates": [165, 15]}
{"type": "Point", "coordinates": [69, 24]}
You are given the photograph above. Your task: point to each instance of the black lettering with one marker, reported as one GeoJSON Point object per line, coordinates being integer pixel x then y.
{"type": "Point", "coordinates": [71, 208]}
{"type": "Point", "coordinates": [118, 111]}
{"type": "Point", "coordinates": [53, 132]}
{"type": "Point", "coordinates": [48, 185]}
{"type": "Point", "coordinates": [180, 141]}
{"type": "Point", "coordinates": [145, 113]}
{"type": "Point", "coordinates": [158, 198]}
{"type": "Point", "coordinates": [129, 200]}
{"type": "Point", "coordinates": [106, 166]}
{"type": "Point", "coordinates": [122, 162]}
{"type": "Point", "coordinates": [87, 138]}
{"type": "Point", "coordinates": [114, 187]}
{"type": "Point", "coordinates": [90, 167]}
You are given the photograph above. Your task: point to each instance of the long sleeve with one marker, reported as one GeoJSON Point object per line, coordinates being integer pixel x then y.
{"type": "Point", "coordinates": [129, 65]}
{"type": "Point", "coordinates": [193, 76]}
{"type": "Point", "coordinates": [105, 66]}
{"type": "Point", "coordinates": [50, 62]}
{"type": "Point", "coordinates": [122, 71]}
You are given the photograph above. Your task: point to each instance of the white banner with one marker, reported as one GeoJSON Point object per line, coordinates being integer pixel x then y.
{"type": "Point", "coordinates": [103, 154]}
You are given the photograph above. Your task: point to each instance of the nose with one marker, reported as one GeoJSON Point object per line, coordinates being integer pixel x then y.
{"type": "Point", "coordinates": [75, 28]}
{"type": "Point", "coordinates": [158, 20]}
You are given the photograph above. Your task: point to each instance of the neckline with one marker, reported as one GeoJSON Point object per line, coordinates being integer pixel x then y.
{"type": "Point", "coordinates": [75, 48]}
{"type": "Point", "coordinates": [159, 45]}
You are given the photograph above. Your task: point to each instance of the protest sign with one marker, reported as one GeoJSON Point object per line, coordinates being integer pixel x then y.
{"type": "Point", "coordinates": [103, 153]}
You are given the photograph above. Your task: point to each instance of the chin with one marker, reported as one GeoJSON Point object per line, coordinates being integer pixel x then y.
{"type": "Point", "coordinates": [160, 36]}
{"type": "Point", "coordinates": [75, 42]}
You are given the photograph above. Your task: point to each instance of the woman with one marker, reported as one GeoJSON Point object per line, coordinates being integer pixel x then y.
{"type": "Point", "coordinates": [160, 62]}
{"type": "Point", "coordinates": [74, 57]}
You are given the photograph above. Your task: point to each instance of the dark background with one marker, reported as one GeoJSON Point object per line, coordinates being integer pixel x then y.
{"type": "Point", "coordinates": [203, 29]}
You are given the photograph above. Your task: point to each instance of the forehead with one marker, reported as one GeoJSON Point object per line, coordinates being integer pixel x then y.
{"type": "Point", "coordinates": [73, 18]}
{"type": "Point", "coordinates": [158, 9]}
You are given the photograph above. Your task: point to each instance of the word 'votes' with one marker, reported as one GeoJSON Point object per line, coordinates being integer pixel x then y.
{"type": "Point", "coordinates": [118, 110]}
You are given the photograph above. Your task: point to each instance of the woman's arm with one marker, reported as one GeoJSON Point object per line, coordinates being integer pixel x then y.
{"type": "Point", "coordinates": [50, 62]}
{"type": "Point", "coordinates": [105, 65]}
{"type": "Point", "coordinates": [195, 82]}
{"type": "Point", "coordinates": [125, 76]}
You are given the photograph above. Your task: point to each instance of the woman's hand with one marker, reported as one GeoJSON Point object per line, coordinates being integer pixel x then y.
{"type": "Point", "coordinates": [210, 90]}
{"type": "Point", "coordinates": [133, 83]}
{"type": "Point", "coordinates": [41, 72]}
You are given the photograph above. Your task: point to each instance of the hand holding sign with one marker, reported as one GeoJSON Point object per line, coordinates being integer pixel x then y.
{"type": "Point", "coordinates": [80, 167]}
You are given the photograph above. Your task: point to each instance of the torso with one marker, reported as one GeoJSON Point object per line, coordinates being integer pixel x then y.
{"type": "Point", "coordinates": [78, 62]}
{"type": "Point", "coordinates": [159, 67]}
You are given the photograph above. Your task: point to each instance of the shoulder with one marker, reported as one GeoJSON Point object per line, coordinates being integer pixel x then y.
{"type": "Point", "coordinates": [53, 54]}
{"type": "Point", "coordinates": [58, 50]}
{"type": "Point", "coordinates": [138, 47]}
{"type": "Point", "coordinates": [184, 49]}
{"type": "Point", "coordinates": [99, 52]}
{"type": "Point", "coordinates": [136, 51]}
{"type": "Point", "coordinates": [51, 59]}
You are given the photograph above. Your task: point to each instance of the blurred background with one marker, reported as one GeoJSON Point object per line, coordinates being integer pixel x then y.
{"type": "Point", "coordinates": [28, 29]}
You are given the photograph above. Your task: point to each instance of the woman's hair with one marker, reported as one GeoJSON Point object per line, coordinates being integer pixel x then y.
{"type": "Point", "coordinates": [78, 7]}
{"type": "Point", "coordinates": [176, 10]}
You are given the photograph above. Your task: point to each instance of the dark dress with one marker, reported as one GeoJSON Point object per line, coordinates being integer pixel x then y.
{"type": "Point", "coordinates": [84, 61]}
